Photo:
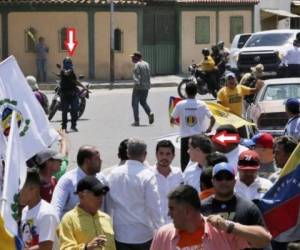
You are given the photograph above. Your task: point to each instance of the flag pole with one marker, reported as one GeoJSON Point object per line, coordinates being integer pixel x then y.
{"type": "Point", "coordinates": [7, 162]}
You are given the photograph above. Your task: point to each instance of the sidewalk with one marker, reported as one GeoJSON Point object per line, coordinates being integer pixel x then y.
{"type": "Point", "coordinates": [156, 81]}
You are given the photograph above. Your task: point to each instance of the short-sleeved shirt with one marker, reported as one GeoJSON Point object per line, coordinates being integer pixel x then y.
{"type": "Point", "coordinates": [39, 224]}
{"type": "Point", "coordinates": [292, 127]}
{"type": "Point", "coordinates": [233, 98]}
{"type": "Point", "coordinates": [237, 209]}
{"type": "Point", "coordinates": [192, 114]}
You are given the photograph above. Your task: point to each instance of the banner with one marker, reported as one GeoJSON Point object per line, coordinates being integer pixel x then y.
{"type": "Point", "coordinates": [15, 170]}
{"type": "Point", "coordinates": [16, 95]}
{"type": "Point", "coordinates": [280, 205]}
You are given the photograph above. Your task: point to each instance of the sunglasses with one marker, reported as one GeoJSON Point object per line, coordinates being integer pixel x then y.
{"type": "Point", "coordinates": [222, 177]}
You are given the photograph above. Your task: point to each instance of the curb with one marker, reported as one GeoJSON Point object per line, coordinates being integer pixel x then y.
{"type": "Point", "coordinates": [52, 86]}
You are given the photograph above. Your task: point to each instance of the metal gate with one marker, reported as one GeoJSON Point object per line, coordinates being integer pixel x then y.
{"type": "Point", "coordinates": [159, 42]}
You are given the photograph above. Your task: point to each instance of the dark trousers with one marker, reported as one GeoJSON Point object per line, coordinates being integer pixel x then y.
{"type": "Point", "coordinates": [294, 70]}
{"type": "Point", "coordinates": [41, 65]}
{"type": "Point", "coordinates": [66, 102]}
{"type": "Point", "coordinates": [184, 156]}
{"type": "Point", "coordinates": [125, 246]}
{"type": "Point", "coordinates": [139, 96]}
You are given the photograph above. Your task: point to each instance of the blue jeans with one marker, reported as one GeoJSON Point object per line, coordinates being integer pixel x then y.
{"type": "Point", "coordinates": [41, 65]}
{"type": "Point", "coordinates": [139, 96]}
{"type": "Point", "coordinates": [66, 102]}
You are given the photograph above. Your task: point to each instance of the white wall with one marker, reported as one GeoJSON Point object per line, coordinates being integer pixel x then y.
{"type": "Point", "coordinates": [272, 4]}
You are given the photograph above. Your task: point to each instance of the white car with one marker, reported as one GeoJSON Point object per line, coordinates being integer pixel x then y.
{"type": "Point", "coordinates": [267, 48]}
{"type": "Point", "coordinates": [268, 109]}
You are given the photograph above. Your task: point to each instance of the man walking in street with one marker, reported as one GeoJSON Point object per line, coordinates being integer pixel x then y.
{"type": "Point", "coordinates": [133, 200]}
{"type": "Point", "coordinates": [142, 84]}
{"type": "Point", "coordinates": [42, 51]}
{"type": "Point", "coordinates": [192, 114]}
{"type": "Point", "coordinates": [89, 163]}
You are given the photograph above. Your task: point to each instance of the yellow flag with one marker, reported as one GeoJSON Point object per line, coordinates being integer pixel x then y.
{"type": "Point", "coordinates": [223, 116]}
{"type": "Point", "coordinates": [7, 241]}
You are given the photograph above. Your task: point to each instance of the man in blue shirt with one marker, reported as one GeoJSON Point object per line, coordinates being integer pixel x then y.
{"type": "Point", "coordinates": [42, 51]}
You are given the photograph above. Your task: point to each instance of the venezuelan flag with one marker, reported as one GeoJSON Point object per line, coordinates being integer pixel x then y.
{"type": "Point", "coordinates": [172, 103]}
{"type": "Point", "coordinates": [281, 204]}
{"type": "Point", "coordinates": [7, 241]}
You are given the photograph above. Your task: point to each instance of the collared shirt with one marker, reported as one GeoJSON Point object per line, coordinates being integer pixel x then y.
{"type": "Point", "coordinates": [191, 176]}
{"type": "Point", "coordinates": [141, 75]}
{"type": "Point", "coordinates": [79, 227]}
{"type": "Point", "coordinates": [41, 51]}
{"type": "Point", "coordinates": [292, 127]}
{"type": "Point", "coordinates": [255, 191]}
{"type": "Point", "coordinates": [292, 56]}
{"type": "Point", "coordinates": [165, 185]}
{"type": "Point", "coordinates": [133, 202]}
{"type": "Point", "coordinates": [167, 238]}
{"type": "Point", "coordinates": [64, 199]}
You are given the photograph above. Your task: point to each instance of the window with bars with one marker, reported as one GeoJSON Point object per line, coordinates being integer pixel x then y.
{"type": "Point", "coordinates": [62, 34]}
{"type": "Point", "coordinates": [118, 37]}
{"type": "Point", "coordinates": [236, 26]}
{"type": "Point", "coordinates": [30, 39]}
{"type": "Point", "coordinates": [202, 30]}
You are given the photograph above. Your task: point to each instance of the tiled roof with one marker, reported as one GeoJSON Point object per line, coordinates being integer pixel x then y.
{"type": "Point", "coordinates": [220, 1]}
{"type": "Point", "coordinates": [133, 2]}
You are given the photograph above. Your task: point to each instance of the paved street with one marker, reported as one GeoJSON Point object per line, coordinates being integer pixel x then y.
{"type": "Point", "coordinates": [107, 121]}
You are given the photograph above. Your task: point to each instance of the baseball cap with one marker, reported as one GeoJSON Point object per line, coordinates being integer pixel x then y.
{"type": "Point", "coordinates": [248, 160]}
{"type": "Point", "coordinates": [263, 139]}
{"type": "Point", "coordinates": [229, 74]}
{"type": "Point", "coordinates": [48, 154]}
{"type": "Point", "coordinates": [247, 143]}
{"type": "Point", "coordinates": [223, 167]}
{"type": "Point", "coordinates": [292, 104]}
{"type": "Point", "coordinates": [136, 54]}
{"type": "Point", "coordinates": [91, 183]}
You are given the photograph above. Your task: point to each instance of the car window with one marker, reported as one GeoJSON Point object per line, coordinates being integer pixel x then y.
{"type": "Point", "coordinates": [270, 39]}
{"type": "Point", "coordinates": [281, 92]}
{"type": "Point", "coordinates": [243, 39]}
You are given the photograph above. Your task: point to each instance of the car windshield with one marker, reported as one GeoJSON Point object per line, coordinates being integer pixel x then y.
{"type": "Point", "coordinates": [270, 39]}
{"type": "Point", "coordinates": [281, 92]}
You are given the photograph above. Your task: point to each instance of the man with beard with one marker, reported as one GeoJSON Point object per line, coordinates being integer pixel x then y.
{"type": "Point", "coordinates": [167, 176]}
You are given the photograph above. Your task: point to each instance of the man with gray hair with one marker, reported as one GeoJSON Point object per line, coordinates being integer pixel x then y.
{"type": "Point", "coordinates": [133, 200]}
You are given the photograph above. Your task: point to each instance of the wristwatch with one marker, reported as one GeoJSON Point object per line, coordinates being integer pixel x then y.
{"type": "Point", "coordinates": [230, 226]}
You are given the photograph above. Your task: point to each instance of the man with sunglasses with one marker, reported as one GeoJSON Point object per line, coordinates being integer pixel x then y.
{"type": "Point", "coordinates": [228, 204]}
{"type": "Point", "coordinates": [249, 184]}
{"type": "Point", "coordinates": [85, 226]}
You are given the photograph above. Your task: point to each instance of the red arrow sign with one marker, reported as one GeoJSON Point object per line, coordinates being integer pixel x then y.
{"type": "Point", "coordinates": [71, 42]}
{"type": "Point", "coordinates": [224, 139]}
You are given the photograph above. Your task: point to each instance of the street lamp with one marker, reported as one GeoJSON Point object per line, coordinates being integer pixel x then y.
{"type": "Point", "coordinates": [112, 44]}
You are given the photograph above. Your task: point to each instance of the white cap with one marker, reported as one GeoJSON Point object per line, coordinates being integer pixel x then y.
{"type": "Point", "coordinates": [32, 82]}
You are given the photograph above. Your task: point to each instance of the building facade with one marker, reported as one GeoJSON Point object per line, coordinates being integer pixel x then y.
{"type": "Point", "coordinates": [170, 34]}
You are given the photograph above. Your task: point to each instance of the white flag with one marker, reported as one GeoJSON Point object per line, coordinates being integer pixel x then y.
{"type": "Point", "coordinates": [15, 94]}
{"type": "Point", "coordinates": [14, 177]}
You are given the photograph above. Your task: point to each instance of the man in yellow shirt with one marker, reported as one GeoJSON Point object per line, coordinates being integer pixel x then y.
{"type": "Point", "coordinates": [85, 227]}
{"type": "Point", "coordinates": [231, 96]}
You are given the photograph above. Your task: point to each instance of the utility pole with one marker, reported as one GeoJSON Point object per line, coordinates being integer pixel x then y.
{"type": "Point", "coordinates": [112, 44]}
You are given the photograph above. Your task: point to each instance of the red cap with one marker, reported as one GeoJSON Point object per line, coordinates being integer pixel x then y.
{"type": "Point", "coordinates": [263, 139]}
{"type": "Point", "coordinates": [248, 160]}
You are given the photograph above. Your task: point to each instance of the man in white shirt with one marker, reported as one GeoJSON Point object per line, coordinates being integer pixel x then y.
{"type": "Point", "coordinates": [292, 59]}
{"type": "Point", "coordinates": [191, 114]}
{"type": "Point", "coordinates": [167, 176]}
{"type": "Point", "coordinates": [133, 200]}
{"type": "Point", "coordinates": [249, 185]}
{"type": "Point", "coordinates": [89, 163]}
{"type": "Point", "coordinates": [292, 127]}
{"type": "Point", "coordinates": [199, 147]}
{"type": "Point", "coordinates": [39, 220]}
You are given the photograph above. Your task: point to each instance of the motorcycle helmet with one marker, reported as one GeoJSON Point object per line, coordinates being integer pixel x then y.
{"type": "Point", "coordinates": [31, 80]}
{"type": "Point", "coordinates": [67, 63]}
{"type": "Point", "coordinates": [205, 52]}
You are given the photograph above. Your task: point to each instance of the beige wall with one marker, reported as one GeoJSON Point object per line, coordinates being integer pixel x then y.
{"type": "Point", "coordinates": [127, 23]}
{"type": "Point", "coordinates": [189, 49]}
{"type": "Point", "coordinates": [224, 24]}
{"type": "Point", "coordinates": [48, 25]}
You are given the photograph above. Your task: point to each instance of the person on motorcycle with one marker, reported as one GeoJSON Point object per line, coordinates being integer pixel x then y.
{"type": "Point", "coordinates": [250, 79]}
{"type": "Point", "coordinates": [208, 71]}
{"type": "Point", "coordinates": [69, 94]}
{"type": "Point", "coordinates": [40, 96]}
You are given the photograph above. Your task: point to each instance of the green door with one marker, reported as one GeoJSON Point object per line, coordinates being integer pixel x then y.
{"type": "Point", "coordinates": [159, 42]}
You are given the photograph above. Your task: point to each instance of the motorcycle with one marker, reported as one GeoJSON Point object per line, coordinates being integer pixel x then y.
{"type": "Point", "coordinates": [197, 77]}
{"type": "Point", "coordinates": [56, 100]}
